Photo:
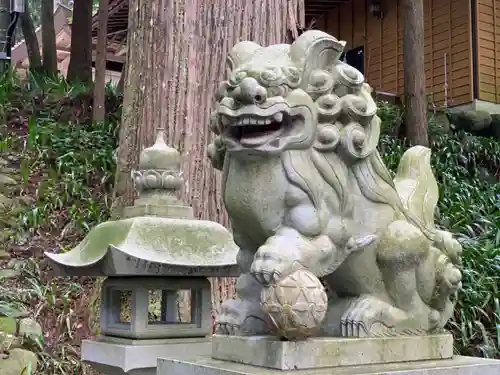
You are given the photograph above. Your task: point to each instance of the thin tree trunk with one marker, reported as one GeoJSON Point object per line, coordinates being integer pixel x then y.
{"type": "Point", "coordinates": [80, 63]}
{"type": "Point", "coordinates": [32, 46]}
{"type": "Point", "coordinates": [121, 82]}
{"type": "Point", "coordinates": [414, 76]}
{"type": "Point", "coordinates": [4, 25]}
{"type": "Point", "coordinates": [176, 57]}
{"type": "Point", "coordinates": [100, 64]}
{"type": "Point", "coordinates": [49, 50]}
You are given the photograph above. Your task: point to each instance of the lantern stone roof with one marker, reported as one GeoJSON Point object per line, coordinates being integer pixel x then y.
{"type": "Point", "coordinates": [158, 235]}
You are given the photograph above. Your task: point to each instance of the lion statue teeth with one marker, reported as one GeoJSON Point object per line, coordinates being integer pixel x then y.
{"type": "Point", "coordinates": [306, 189]}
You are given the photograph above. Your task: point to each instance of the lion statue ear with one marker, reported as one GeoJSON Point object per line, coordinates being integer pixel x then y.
{"type": "Point", "coordinates": [240, 53]}
{"type": "Point", "coordinates": [316, 49]}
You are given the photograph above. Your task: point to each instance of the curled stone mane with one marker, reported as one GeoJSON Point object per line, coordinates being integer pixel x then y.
{"type": "Point", "coordinates": [348, 132]}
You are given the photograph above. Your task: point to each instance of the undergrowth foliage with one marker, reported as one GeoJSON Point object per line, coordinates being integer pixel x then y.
{"type": "Point", "coordinates": [66, 165]}
{"type": "Point", "coordinates": [468, 172]}
{"type": "Point", "coordinates": [53, 304]}
{"type": "Point", "coordinates": [65, 157]}
{"type": "Point", "coordinates": [76, 168]}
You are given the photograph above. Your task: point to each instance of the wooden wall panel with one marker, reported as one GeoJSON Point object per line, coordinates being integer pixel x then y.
{"type": "Point", "coordinates": [448, 55]}
{"type": "Point", "coordinates": [488, 44]}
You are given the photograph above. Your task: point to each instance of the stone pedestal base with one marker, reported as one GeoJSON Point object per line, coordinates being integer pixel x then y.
{"type": "Point", "coordinates": [265, 351]}
{"type": "Point", "coordinates": [112, 356]}
{"type": "Point", "coordinates": [454, 366]}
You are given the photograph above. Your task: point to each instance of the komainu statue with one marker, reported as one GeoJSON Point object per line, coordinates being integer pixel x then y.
{"type": "Point", "coordinates": [306, 189]}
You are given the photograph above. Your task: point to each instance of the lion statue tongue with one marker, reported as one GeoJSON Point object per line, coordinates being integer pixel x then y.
{"type": "Point", "coordinates": [296, 135]}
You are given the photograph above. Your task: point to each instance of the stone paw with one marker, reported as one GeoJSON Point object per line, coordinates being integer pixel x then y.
{"type": "Point", "coordinates": [275, 259]}
{"type": "Point", "coordinates": [452, 279]}
{"type": "Point", "coordinates": [368, 316]}
{"type": "Point", "coordinates": [241, 318]}
{"type": "Point", "coordinates": [270, 265]}
{"type": "Point", "coordinates": [216, 153]}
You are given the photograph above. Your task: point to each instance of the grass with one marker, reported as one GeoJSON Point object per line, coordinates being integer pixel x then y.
{"type": "Point", "coordinates": [66, 167]}
{"type": "Point", "coordinates": [57, 305]}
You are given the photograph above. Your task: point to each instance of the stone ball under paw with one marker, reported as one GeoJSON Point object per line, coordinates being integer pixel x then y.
{"type": "Point", "coordinates": [296, 305]}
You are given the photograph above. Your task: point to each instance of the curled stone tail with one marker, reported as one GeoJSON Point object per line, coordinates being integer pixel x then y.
{"type": "Point", "coordinates": [417, 187]}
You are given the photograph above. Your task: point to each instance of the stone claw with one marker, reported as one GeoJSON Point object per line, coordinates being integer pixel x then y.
{"type": "Point", "coordinates": [353, 323]}
{"type": "Point", "coordinates": [227, 329]}
{"type": "Point", "coordinates": [368, 316]}
{"type": "Point", "coordinates": [263, 275]}
{"type": "Point", "coordinates": [240, 318]}
{"type": "Point", "coordinates": [269, 266]}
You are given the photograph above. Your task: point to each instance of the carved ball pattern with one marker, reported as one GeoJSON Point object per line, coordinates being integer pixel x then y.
{"type": "Point", "coordinates": [296, 305]}
{"type": "Point", "coordinates": [150, 179]}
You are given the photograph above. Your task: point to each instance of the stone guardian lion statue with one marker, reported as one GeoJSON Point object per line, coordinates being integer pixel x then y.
{"type": "Point", "coordinates": [305, 187]}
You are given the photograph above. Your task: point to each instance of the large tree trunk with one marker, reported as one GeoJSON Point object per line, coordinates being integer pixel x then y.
{"type": "Point", "coordinates": [412, 13]}
{"type": "Point", "coordinates": [32, 46]}
{"type": "Point", "coordinates": [49, 50]}
{"type": "Point", "coordinates": [98, 108]}
{"type": "Point", "coordinates": [80, 64]}
{"type": "Point", "coordinates": [176, 57]}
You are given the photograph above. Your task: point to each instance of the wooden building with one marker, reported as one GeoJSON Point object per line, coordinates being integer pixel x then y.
{"type": "Point", "coordinates": [116, 36]}
{"type": "Point", "coordinates": [462, 46]}
{"type": "Point", "coordinates": [62, 27]}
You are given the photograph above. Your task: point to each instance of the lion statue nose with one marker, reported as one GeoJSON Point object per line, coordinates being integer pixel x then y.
{"type": "Point", "coordinates": [249, 91]}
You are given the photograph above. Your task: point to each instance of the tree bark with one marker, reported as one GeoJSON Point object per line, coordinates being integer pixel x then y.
{"type": "Point", "coordinates": [415, 118]}
{"type": "Point", "coordinates": [100, 64]}
{"type": "Point", "coordinates": [176, 57]}
{"type": "Point", "coordinates": [80, 64]}
{"type": "Point", "coordinates": [49, 50]}
{"type": "Point", "coordinates": [121, 83]}
{"type": "Point", "coordinates": [29, 33]}
{"type": "Point", "coordinates": [4, 25]}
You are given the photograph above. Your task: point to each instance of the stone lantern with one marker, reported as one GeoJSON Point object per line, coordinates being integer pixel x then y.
{"type": "Point", "coordinates": [156, 298]}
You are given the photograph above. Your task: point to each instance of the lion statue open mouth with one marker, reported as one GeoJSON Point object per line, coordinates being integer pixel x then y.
{"type": "Point", "coordinates": [305, 188]}
{"type": "Point", "coordinates": [264, 126]}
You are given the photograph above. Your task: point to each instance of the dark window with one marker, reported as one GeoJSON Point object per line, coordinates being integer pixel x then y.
{"type": "Point", "coordinates": [112, 65]}
{"type": "Point", "coordinates": [356, 58]}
